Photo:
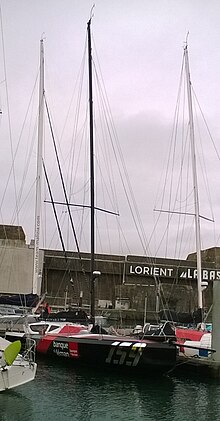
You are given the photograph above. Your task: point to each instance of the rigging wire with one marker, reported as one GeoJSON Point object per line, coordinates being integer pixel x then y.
{"type": "Point", "coordinates": [124, 174]}
{"type": "Point", "coordinates": [64, 191]}
{"type": "Point", "coordinates": [27, 160]}
{"type": "Point", "coordinates": [54, 210]}
{"type": "Point", "coordinates": [9, 117]}
{"type": "Point", "coordinates": [77, 137]}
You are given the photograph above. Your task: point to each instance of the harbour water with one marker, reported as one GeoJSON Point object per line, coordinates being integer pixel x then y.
{"type": "Point", "coordinates": [61, 392]}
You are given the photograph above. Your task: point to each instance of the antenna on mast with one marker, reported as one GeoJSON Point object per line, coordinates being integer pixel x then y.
{"type": "Point", "coordinates": [186, 42]}
{"type": "Point", "coordinates": [91, 12]}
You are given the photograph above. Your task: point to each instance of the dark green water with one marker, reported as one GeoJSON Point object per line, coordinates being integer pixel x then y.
{"type": "Point", "coordinates": [61, 392]}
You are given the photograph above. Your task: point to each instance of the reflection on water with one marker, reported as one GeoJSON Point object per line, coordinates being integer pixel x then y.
{"type": "Point", "coordinates": [61, 392]}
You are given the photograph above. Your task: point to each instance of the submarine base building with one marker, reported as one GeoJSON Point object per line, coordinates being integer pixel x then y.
{"type": "Point", "coordinates": [129, 287]}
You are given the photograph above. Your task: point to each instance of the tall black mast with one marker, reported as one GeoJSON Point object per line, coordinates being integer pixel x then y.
{"type": "Point", "coordinates": [92, 192]}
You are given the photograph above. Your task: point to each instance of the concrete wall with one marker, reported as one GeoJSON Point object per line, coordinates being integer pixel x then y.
{"type": "Point", "coordinates": [16, 268]}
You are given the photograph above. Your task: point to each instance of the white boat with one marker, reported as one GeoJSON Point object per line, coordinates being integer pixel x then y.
{"type": "Point", "coordinates": [16, 369]}
{"type": "Point", "coordinates": [13, 317]}
{"type": "Point", "coordinates": [195, 341]}
{"type": "Point", "coordinates": [205, 341]}
{"type": "Point", "coordinates": [195, 338]}
{"type": "Point", "coordinates": [197, 348]}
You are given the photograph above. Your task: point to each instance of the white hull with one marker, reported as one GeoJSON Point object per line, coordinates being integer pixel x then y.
{"type": "Point", "coordinates": [202, 347]}
{"type": "Point", "coordinates": [20, 372]}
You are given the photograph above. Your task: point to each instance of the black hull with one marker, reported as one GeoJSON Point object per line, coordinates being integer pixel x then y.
{"type": "Point", "coordinates": [121, 353]}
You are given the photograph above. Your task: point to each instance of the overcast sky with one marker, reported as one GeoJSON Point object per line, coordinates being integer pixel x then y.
{"type": "Point", "coordinates": [140, 46]}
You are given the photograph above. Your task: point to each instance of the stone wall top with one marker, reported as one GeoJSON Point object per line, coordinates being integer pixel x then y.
{"type": "Point", "coordinates": [12, 232]}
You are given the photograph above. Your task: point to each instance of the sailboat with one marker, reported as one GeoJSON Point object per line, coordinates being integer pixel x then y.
{"type": "Point", "coordinates": [30, 301]}
{"type": "Point", "coordinates": [198, 336]}
{"type": "Point", "coordinates": [16, 369]}
{"type": "Point", "coordinates": [192, 334]}
{"type": "Point", "coordinates": [99, 349]}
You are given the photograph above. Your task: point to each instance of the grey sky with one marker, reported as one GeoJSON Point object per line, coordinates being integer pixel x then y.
{"type": "Point", "coordinates": [140, 45]}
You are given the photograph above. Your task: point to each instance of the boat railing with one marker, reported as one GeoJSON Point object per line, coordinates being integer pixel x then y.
{"type": "Point", "coordinates": [30, 350]}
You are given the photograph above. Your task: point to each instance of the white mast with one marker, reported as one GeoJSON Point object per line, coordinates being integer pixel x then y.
{"type": "Point", "coordinates": [195, 182]}
{"type": "Point", "coordinates": [36, 272]}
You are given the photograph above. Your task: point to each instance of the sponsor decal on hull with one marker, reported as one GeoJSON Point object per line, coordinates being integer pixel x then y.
{"type": "Point", "coordinates": [125, 353]}
{"type": "Point", "coordinates": [61, 349]}
{"type": "Point", "coordinates": [73, 350]}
